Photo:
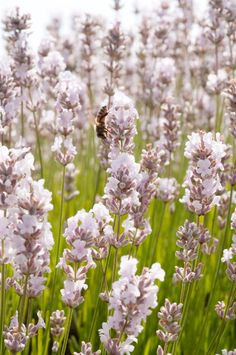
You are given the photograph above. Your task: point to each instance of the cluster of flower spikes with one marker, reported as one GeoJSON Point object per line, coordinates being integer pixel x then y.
{"type": "Point", "coordinates": [17, 26]}
{"type": "Point", "coordinates": [191, 237]}
{"type": "Point", "coordinates": [25, 234]}
{"type": "Point", "coordinates": [131, 186]}
{"type": "Point", "coordinates": [167, 187]}
{"type": "Point", "coordinates": [202, 183]}
{"type": "Point", "coordinates": [130, 301]}
{"type": "Point", "coordinates": [87, 235]}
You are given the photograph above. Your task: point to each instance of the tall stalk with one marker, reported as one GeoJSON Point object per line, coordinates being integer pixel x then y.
{"type": "Point", "coordinates": [185, 297]}
{"type": "Point", "coordinates": [219, 332]}
{"type": "Point", "coordinates": [67, 332]}
{"type": "Point", "coordinates": [98, 298]}
{"type": "Point", "coordinates": [22, 304]}
{"type": "Point", "coordinates": [3, 303]}
{"type": "Point", "coordinates": [55, 269]}
{"type": "Point", "coordinates": [154, 249]}
{"type": "Point", "coordinates": [116, 251]}
{"type": "Point", "coordinates": [220, 251]}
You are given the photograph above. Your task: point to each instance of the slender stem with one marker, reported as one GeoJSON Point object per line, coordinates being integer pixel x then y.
{"type": "Point", "coordinates": [213, 221]}
{"type": "Point", "coordinates": [183, 286]}
{"type": "Point", "coordinates": [186, 299]}
{"type": "Point", "coordinates": [132, 244]}
{"type": "Point", "coordinates": [67, 332]}
{"type": "Point", "coordinates": [60, 220]}
{"type": "Point", "coordinates": [206, 314]}
{"type": "Point", "coordinates": [223, 242]}
{"type": "Point", "coordinates": [218, 334]}
{"type": "Point", "coordinates": [185, 296]}
{"type": "Point", "coordinates": [158, 233]}
{"type": "Point", "coordinates": [3, 296]}
{"type": "Point", "coordinates": [153, 224]}
{"type": "Point", "coordinates": [116, 249]}
{"type": "Point", "coordinates": [97, 183]}
{"type": "Point", "coordinates": [29, 317]}
{"type": "Point", "coordinates": [57, 258]}
{"type": "Point", "coordinates": [98, 298]}
{"type": "Point", "coordinates": [114, 265]}
{"type": "Point", "coordinates": [230, 300]}
{"type": "Point", "coordinates": [123, 329]}
{"type": "Point", "coordinates": [22, 306]}
{"type": "Point", "coordinates": [38, 143]}
{"type": "Point", "coordinates": [166, 348]}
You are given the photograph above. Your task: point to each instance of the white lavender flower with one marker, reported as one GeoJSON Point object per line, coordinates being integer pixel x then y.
{"type": "Point", "coordinates": [80, 233]}
{"type": "Point", "coordinates": [216, 82]}
{"type": "Point", "coordinates": [34, 238]}
{"type": "Point", "coordinates": [67, 107]}
{"type": "Point", "coordinates": [169, 315]}
{"type": "Point", "coordinates": [86, 349]}
{"type": "Point", "coordinates": [203, 182]}
{"type": "Point", "coordinates": [120, 190]}
{"type": "Point", "coordinates": [131, 300]}
{"type": "Point", "coordinates": [167, 189]}
{"type": "Point", "coordinates": [17, 335]}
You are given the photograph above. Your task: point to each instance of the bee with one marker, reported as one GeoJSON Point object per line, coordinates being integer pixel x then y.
{"type": "Point", "coordinates": [101, 129]}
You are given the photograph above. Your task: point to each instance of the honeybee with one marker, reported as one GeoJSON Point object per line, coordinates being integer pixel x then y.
{"type": "Point", "coordinates": [101, 129]}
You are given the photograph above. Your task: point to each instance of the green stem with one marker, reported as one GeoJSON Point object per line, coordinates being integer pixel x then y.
{"type": "Point", "coordinates": [58, 242]}
{"type": "Point", "coordinates": [116, 249]}
{"type": "Point", "coordinates": [158, 233]}
{"type": "Point", "coordinates": [165, 348]}
{"type": "Point", "coordinates": [213, 221]}
{"type": "Point", "coordinates": [219, 332]}
{"type": "Point", "coordinates": [67, 332]}
{"type": "Point", "coordinates": [22, 306]}
{"type": "Point", "coordinates": [114, 265]}
{"type": "Point", "coordinates": [185, 296]}
{"type": "Point", "coordinates": [3, 303]}
{"type": "Point", "coordinates": [206, 314]}
{"type": "Point", "coordinates": [132, 244]}
{"type": "Point", "coordinates": [97, 183]}
{"type": "Point", "coordinates": [29, 317]}
{"type": "Point", "coordinates": [38, 143]}
{"type": "Point", "coordinates": [186, 300]}
{"type": "Point", "coordinates": [98, 298]}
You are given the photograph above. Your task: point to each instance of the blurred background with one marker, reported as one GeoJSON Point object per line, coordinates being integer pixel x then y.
{"type": "Point", "coordinates": [43, 10]}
